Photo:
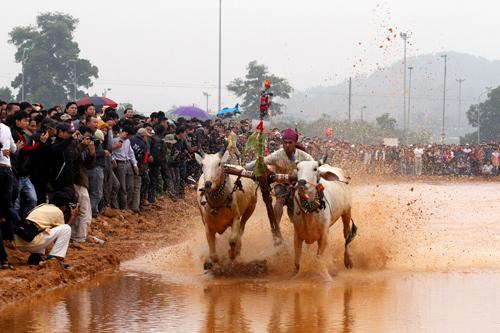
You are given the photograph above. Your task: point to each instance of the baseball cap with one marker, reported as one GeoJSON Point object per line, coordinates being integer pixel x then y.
{"type": "Point", "coordinates": [142, 132]}
{"type": "Point", "coordinates": [65, 127]}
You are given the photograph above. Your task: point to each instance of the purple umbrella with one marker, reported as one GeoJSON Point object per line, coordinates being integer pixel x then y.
{"type": "Point", "coordinates": [191, 111]}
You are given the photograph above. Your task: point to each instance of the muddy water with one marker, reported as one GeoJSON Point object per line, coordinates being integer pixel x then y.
{"type": "Point", "coordinates": [427, 258]}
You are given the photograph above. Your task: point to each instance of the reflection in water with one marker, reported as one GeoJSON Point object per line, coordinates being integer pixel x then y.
{"type": "Point", "coordinates": [348, 319]}
{"type": "Point", "coordinates": [375, 302]}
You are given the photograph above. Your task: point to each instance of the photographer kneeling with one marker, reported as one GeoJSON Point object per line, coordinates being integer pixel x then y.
{"type": "Point", "coordinates": [53, 222]}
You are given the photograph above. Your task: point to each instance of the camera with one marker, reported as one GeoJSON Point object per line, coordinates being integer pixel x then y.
{"type": "Point", "coordinates": [93, 138]}
{"type": "Point", "coordinates": [67, 212]}
{"type": "Point", "coordinates": [120, 141]}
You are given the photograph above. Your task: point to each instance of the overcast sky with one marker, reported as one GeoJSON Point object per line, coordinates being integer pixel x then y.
{"type": "Point", "coordinates": [155, 54]}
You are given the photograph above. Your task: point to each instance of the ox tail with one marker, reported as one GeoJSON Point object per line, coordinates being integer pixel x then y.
{"type": "Point", "coordinates": [354, 229]}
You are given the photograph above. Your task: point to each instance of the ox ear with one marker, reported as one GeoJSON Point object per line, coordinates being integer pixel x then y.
{"type": "Point", "coordinates": [328, 175]}
{"type": "Point", "coordinates": [198, 158]}
{"type": "Point", "coordinates": [224, 158]}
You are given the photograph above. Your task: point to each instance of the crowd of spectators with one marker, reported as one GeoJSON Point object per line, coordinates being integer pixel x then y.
{"type": "Point", "coordinates": [61, 167]}
{"type": "Point", "coordinates": [429, 159]}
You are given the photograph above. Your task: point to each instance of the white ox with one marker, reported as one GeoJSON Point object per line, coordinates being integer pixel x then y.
{"type": "Point", "coordinates": [219, 206]}
{"type": "Point", "coordinates": [311, 223]}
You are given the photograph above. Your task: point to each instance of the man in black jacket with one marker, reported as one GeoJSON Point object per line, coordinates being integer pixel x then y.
{"type": "Point", "coordinates": [40, 166]}
{"type": "Point", "coordinates": [62, 168]}
{"type": "Point", "coordinates": [181, 148]}
{"type": "Point", "coordinates": [157, 150]}
{"type": "Point", "coordinates": [26, 199]}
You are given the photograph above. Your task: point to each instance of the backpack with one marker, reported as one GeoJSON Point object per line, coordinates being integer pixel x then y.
{"type": "Point", "coordinates": [157, 151]}
{"type": "Point", "coordinates": [26, 229]}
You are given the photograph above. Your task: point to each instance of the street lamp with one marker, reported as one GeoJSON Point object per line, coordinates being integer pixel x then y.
{"type": "Point", "coordinates": [409, 107]}
{"type": "Point", "coordinates": [74, 77]}
{"type": "Point", "coordinates": [444, 93]}
{"type": "Point", "coordinates": [22, 63]}
{"type": "Point", "coordinates": [208, 95]}
{"type": "Point", "coordinates": [220, 25]}
{"type": "Point", "coordinates": [405, 36]}
{"type": "Point", "coordinates": [488, 89]}
{"type": "Point", "coordinates": [459, 105]}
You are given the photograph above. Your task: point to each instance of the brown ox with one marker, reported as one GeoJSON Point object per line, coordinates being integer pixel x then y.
{"type": "Point", "coordinates": [221, 206]}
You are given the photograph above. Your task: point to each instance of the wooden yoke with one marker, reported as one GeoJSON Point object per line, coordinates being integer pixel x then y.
{"type": "Point", "coordinates": [265, 189]}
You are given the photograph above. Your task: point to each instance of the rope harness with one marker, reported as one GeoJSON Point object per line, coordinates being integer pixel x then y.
{"type": "Point", "coordinates": [219, 192]}
{"type": "Point", "coordinates": [312, 204]}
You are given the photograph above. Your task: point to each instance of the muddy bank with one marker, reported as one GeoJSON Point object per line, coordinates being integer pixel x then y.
{"type": "Point", "coordinates": [126, 236]}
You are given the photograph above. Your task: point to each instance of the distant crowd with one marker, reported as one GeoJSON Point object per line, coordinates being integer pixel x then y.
{"type": "Point", "coordinates": [84, 161]}
{"type": "Point", "coordinates": [429, 159]}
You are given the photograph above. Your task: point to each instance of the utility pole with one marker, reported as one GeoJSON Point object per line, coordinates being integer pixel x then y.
{"type": "Point", "coordinates": [74, 79]}
{"type": "Point", "coordinates": [409, 108]}
{"type": "Point", "coordinates": [220, 53]}
{"type": "Point", "coordinates": [444, 95]}
{"type": "Point", "coordinates": [459, 106]}
{"type": "Point", "coordinates": [405, 36]}
{"type": "Point", "coordinates": [22, 63]}
{"type": "Point", "coordinates": [350, 100]}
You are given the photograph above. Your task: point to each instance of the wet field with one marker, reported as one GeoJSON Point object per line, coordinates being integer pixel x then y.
{"type": "Point", "coordinates": [426, 258]}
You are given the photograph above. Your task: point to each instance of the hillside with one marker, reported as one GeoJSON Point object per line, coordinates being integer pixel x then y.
{"type": "Point", "coordinates": [382, 91]}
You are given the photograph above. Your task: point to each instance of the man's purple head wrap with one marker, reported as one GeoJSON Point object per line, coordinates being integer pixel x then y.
{"type": "Point", "coordinates": [290, 134]}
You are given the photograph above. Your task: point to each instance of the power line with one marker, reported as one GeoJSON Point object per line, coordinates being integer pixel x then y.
{"type": "Point", "coordinates": [386, 95]}
{"type": "Point", "coordinates": [145, 84]}
{"type": "Point", "coordinates": [197, 86]}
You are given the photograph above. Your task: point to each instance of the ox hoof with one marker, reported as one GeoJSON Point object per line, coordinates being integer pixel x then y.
{"type": "Point", "coordinates": [207, 265]}
{"type": "Point", "coordinates": [233, 253]}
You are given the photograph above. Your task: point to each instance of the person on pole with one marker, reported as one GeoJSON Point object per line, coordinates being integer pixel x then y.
{"type": "Point", "coordinates": [284, 161]}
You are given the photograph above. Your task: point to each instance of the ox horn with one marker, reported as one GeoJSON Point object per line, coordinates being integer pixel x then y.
{"type": "Point", "coordinates": [222, 150]}
{"type": "Point", "coordinates": [202, 153]}
{"type": "Point", "coordinates": [323, 160]}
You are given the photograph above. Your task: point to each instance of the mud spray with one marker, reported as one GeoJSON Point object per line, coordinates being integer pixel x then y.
{"type": "Point", "coordinates": [402, 227]}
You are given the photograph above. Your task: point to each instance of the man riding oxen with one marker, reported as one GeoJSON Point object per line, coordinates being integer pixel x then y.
{"type": "Point", "coordinates": [319, 198]}
{"type": "Point", "coordinates": [224, 201]}
{"type": "Point", "coordinates": [284, 161]}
